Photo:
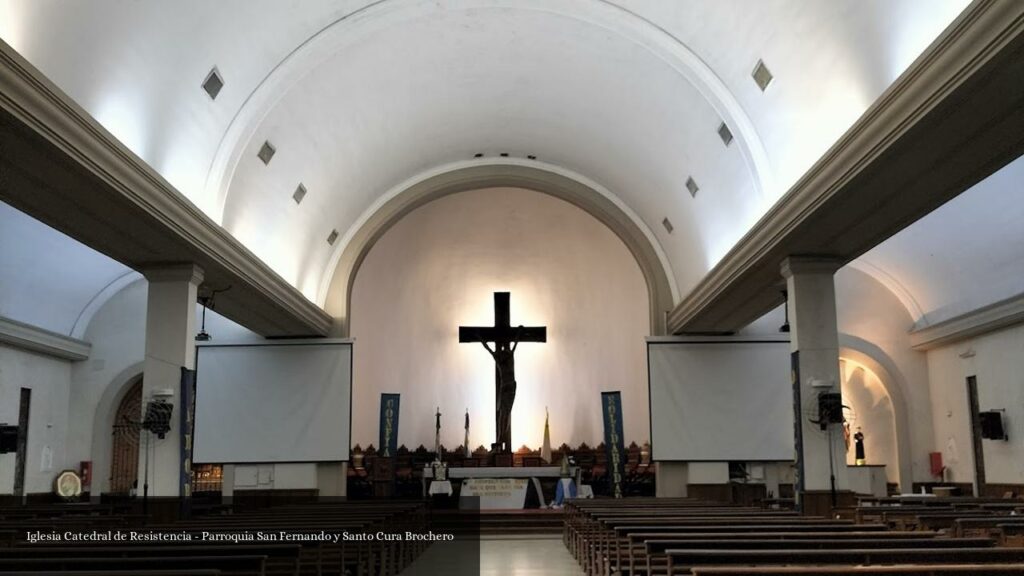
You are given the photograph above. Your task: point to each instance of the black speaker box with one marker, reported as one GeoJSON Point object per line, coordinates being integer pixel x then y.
{"type": "Point", "coordinates": [830, 408]}
{"type": "Point", "coordinates": [992, 425]}
{"type": "Point", "coordinates": [8, 439]}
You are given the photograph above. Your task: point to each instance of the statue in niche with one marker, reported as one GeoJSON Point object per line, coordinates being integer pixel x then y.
{"type": "Point", "coordinates": [858, 448]}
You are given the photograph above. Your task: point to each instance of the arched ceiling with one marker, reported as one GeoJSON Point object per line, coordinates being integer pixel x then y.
{"type": "Point", "coordinates": [360, 97]}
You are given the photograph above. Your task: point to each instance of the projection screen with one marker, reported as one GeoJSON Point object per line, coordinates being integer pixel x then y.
{"type": "Point", "coordinates": [277, 402]}
{"type": "Point", "coordinates": [720, 401]}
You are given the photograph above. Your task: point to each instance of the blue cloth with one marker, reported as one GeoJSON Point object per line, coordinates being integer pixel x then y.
{"type": "Point", "coordinates": [566, 489]}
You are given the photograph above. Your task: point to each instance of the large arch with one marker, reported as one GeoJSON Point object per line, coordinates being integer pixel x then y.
{"type": "Point", "coordinates": [601, 205]}
{"type": "Point", "coordinates": [103, 423]}
{"type": "Point", "coordinates": [874, 359]}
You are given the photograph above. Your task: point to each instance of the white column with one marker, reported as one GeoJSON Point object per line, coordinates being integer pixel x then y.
{"type": "Point", "coordinates": [814, 334]}
{"type": "Point", "coordinates": [170, 345]}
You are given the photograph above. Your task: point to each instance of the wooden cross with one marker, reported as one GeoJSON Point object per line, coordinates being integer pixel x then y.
{"type": "Point", "coordinates": [505, 338]}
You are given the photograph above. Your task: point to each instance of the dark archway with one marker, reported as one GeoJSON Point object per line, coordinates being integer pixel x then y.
{"type": "Point", "coordinates": [124, 452]}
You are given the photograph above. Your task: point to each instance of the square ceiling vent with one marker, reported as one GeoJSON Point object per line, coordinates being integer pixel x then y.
{"type": "Point", "coordinates": [213, 84]}
{"type": "Point", "coordinates": [762, 76]}
{"type": "Point", "coordinates": [299, 194]}
{"type": "Point", "coordinates": [691, 186]}
{"type": "Point", "coordinates": [332, 237]}
{"type": "Point", "coordinates": [725, 134]}
{"type": "Point", "coordinates": [266, 152]}
{"type": "Point", "coordinates": [668, 225]}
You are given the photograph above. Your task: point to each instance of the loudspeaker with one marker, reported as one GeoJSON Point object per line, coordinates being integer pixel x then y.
{"type": "Point", "coordinates": [992, 425]}
{"type": "Point", "coordinates": [8, 439]}
{"type": "Point", "coordinates": [830, 408]}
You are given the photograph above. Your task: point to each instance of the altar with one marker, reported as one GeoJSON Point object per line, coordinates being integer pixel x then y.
{"type": "Point", "coordinates": [505, 495]}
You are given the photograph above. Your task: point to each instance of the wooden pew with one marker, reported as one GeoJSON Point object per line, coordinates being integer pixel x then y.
{"type": "Point", "coordinates": [898, 570]}
{"type": "Point", "coordinates": [235, 564]}
{"type": "Point", "coordinates": [681, 561]}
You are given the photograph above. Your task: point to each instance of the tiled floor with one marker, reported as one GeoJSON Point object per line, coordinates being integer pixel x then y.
{"type": "Point", "coordinates": [525, 556]}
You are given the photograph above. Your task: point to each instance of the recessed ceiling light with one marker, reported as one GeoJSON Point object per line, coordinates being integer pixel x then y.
{"type": "Point", "coordinates": [691, 185]}
{"type": "Point", "coordinates": [668, 225]}
{"type": "Point", "coordinates": [762, 76]}
{"type": "Point", "coordinates": [332, 237]}
{"type": "Point", "coordinates": [299, 194]}
{"type": "Point", "coordinates": [725, 134]}
{"type": "Point", "coordinates": [213, 83]}
{"type": "Point", "coordinates": [266, 152]}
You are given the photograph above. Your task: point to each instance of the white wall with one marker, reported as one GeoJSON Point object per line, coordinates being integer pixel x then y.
{"type": "Point", "coordinates": [49, 379]}
{"type": "Point", "coordinates": [437, 269]}
{"type": "Point", "coordinates": [997, 359]}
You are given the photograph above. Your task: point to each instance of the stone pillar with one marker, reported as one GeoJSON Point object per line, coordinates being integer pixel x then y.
{"type": "Point", "coordinates": [814, 339]}
{"type": "Point", "coordinates": [170, 345]}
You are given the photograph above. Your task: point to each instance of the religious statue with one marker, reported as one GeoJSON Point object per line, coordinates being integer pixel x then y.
{"type": "Point", "coordinates": [505, 364]}
{"type": "Point", "coordinates": [506, 339]}
{"type": "Point", "coordinates": [858, 448]}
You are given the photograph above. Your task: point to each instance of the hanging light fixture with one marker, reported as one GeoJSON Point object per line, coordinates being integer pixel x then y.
{"type": "Point", "coordinates": [203, 335]}
{"type": "Point", "coordinates": [785, 325]}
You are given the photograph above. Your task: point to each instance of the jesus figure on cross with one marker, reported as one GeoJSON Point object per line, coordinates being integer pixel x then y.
{"type": "Point", "coordinates": [506, 339]}
{"type": "Point", "coordinates": [505, 364]}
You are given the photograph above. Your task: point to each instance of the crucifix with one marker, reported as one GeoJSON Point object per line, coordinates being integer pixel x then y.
{"type": "Point", "coordinates": [506, 338]}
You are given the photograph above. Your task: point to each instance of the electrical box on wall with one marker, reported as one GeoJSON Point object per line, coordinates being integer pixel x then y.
{"type": "Point", "coordinates": [992, 425]}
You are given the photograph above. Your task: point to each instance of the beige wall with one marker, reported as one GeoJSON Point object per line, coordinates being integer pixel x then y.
{"type": "Point", "coordinates": [872, 408]}
{"type": "Point", "coordinates": [997, 359]}
{"type": "Point", "coordinates": [437, 268]}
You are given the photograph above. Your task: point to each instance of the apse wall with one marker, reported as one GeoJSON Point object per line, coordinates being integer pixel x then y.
{"type": "Point", "coordinates": [437, 269]}
{"type": "Point", "coordinates": [872, 414]}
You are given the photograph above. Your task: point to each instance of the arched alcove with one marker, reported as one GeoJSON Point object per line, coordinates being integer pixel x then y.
{"type": "Point", "coordinates": [438, 267]}
{"type": "Point", "coordinates": [604, 208]}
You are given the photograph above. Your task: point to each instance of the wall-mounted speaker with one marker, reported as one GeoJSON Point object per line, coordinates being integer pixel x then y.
{"type": "Point", "coordinates": [992, 425]}
{"type": "Point", "coordinates": [8, 439]}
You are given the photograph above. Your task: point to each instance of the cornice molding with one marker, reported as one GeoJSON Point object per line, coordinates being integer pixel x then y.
{"type": "Point", "coordinates": [966, 47]}
{"type": "Point", "coordinates": [984, 320]}
{"type": "Point", "coordinates": [28, 337]}
{"type": "Point", "coordinates": [45, 110]}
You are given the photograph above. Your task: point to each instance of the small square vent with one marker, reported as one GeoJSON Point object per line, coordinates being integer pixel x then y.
{"type": "Point", "coordinates": [332, 237]}
{"type": "Point", "coordinates": [762, 76]}
{"type": "Point", "coordinates": [691, 185]}
{"type": "Point", "coordinates": [299, 194]}
{"type": "Point", "coordinates": [725, 134]}
{"type": "Point", "coordinates": [266, 152]}
{"type": "Point", "coordinates": [668, 225]}
{"type": "Point", "coordinates": [213, 83]}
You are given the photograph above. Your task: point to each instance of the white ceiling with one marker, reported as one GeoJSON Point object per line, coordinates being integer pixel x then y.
{"type": "Point", "coordinates": [360, 97]}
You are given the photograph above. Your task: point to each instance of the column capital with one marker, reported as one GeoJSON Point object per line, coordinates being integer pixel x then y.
{"type": "Point", "coordinates": [809, 265]}
{"type": "Point", "coordinates": [174, 273]}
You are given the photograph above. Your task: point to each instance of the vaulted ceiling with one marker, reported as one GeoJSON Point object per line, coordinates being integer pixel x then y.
{"type": "Point", "coordinates": [360, 99]}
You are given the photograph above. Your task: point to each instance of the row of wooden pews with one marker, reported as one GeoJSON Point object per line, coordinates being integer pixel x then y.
{"type": "Point", "coordinates": [683, 536]}
{"type": "Point", "coordinates": [202, 554]}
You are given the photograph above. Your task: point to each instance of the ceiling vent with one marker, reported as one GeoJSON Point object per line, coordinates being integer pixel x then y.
{"type": "Point", "coordinates": [668, 225]}
{"type": "Point", "coordinates": [762, 76]}
{"type": "Point", "coordinates": [299, 194]}
{"type": "Point", "coordinates": [332, 237]}
{"type": "Point", "coordinates": [725, 134]}
{"type": "Point", "coordinates": [478, 155]}
{"type": "Point", "coordinates": [504, 154]}
{"type": "Point", "coordinates": [213, 83]}
{"type": "Point", "coordinates": [531, 157]}
{"type": "Point", "coordinates": [266, 152]}
{"type": "Point", "coordinates": [691, 185]}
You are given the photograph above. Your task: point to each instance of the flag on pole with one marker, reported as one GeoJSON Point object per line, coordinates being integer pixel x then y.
{"type": "Point", "coordinates": [465, 442]}
{"type": "Point", "coordinates": [545, 449]}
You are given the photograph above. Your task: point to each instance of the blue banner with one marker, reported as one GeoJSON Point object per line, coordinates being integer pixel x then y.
{"type": "Point", "coordinates": [611, 408]}
{"type": "Point", "coordinates": [187, 411]}
{"type": "Point", "coordinates": [388, 445]}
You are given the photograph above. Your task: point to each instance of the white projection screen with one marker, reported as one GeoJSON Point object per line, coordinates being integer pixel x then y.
{"type": "Point", "coordinates": [277, 402]}
{"type": "Point", "coordinates": [720, 401]}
